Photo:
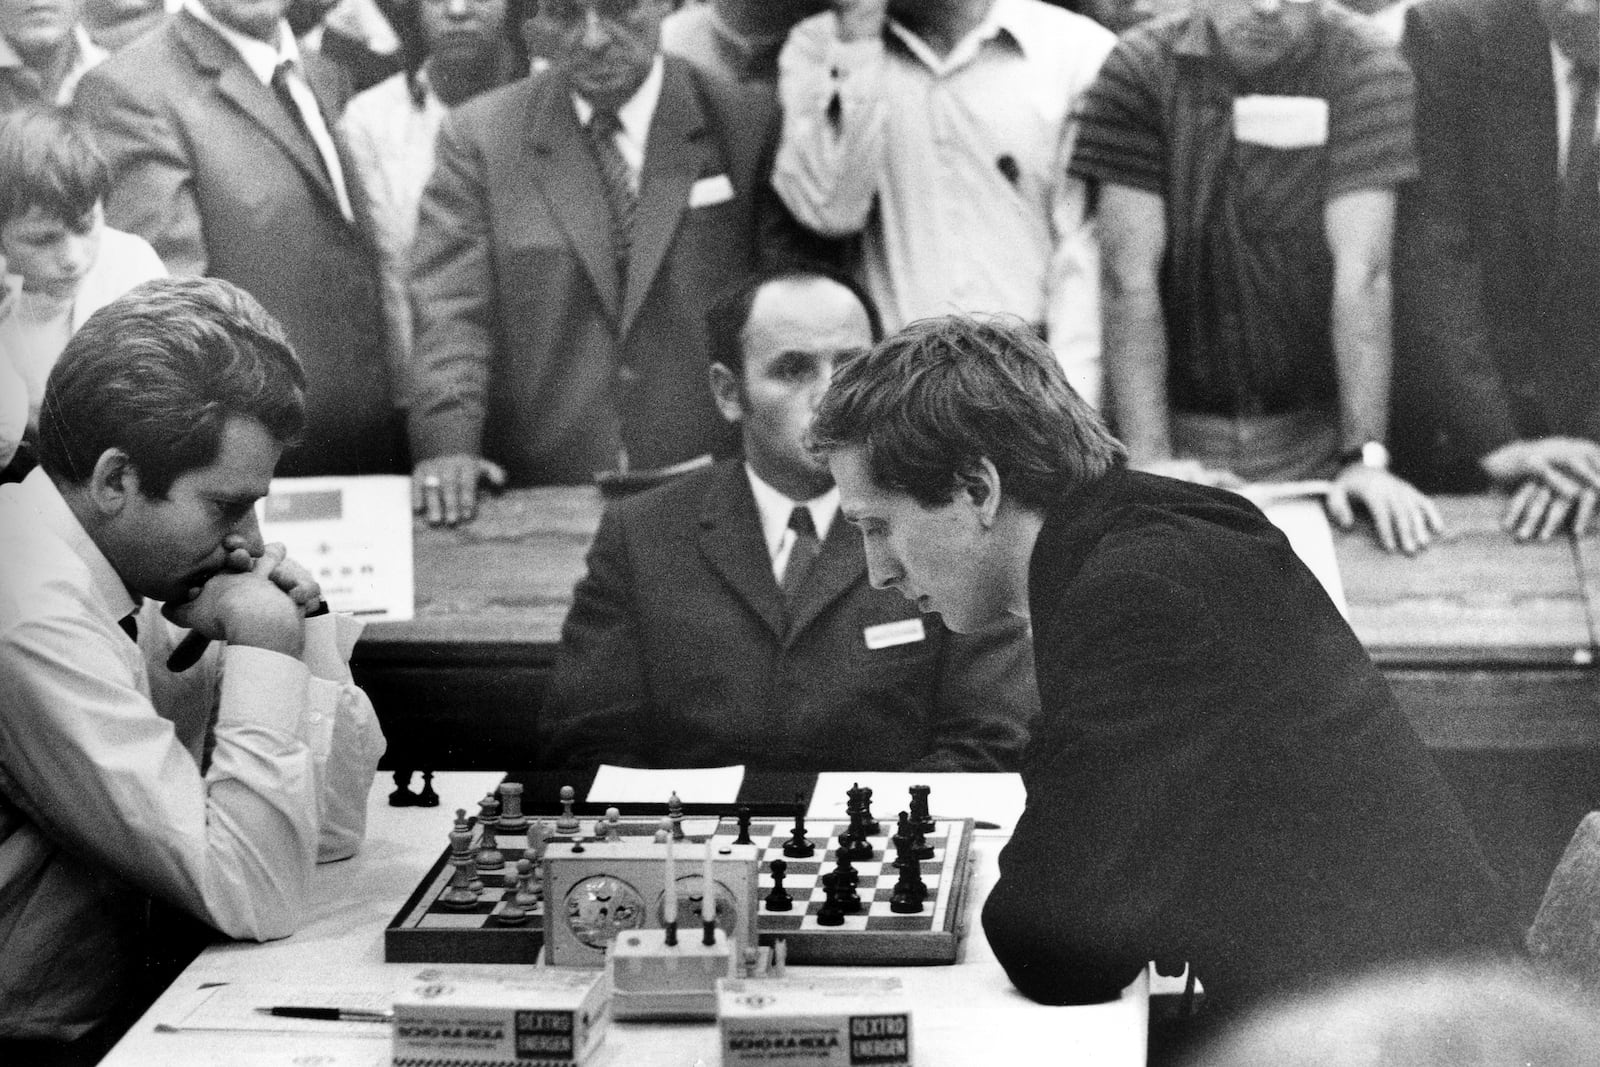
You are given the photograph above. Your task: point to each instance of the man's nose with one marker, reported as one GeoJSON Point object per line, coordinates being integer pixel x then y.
{"type": "Point", "coordinates": [1267, 8]}
{"type": "Point", "coordinates": [457, 9]}
{"type": "Point", "coordinates": [596, 31]}
{"type": "Point", "coordinates": [883, 572]}
{"type": "Point", "coordinates": [249, 529]}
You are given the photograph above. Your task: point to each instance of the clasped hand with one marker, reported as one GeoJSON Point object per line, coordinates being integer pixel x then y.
{"type": "Point", "coordinates": [253, 600]}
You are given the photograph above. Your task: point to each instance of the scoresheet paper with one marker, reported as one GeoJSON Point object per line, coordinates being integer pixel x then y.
{"type": "Point", "coordinates": [355, 536]}
{"type": "Point", "coordinates": [637, 785]}
{"type": "Point", "coordinates": [993, 801]}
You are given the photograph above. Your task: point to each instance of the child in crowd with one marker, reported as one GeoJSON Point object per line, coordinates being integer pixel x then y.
{"type": "Point", "coordinates": [62, 262]}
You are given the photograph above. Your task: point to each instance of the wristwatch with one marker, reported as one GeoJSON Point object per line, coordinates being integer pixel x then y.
{"type": "Point", "coordinates": [1374, 454]}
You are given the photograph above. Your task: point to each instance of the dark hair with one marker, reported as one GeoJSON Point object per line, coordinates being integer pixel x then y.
{"type": "Point", "coordinates": [729, 314]}
{"type": "Point", "coordinates": [49, 160]}
{"type": "Point", "coordinates": [943, 393]}
{"type": "Point", "coordinates": [158, 372]}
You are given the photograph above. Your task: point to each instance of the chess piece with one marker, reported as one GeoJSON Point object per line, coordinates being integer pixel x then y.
{"type": "Point", "coordinates": [830, 914]}
{"type": "Point", "coordinates": [461, 893]}
{"type": "Point", "coordinates": [663, 831]}
{"type": "Point", "coordinates": [402, 797]}
{"type": "Point", "coordinates": [845, 880]}
{"type": "Point", "coordinates": [611, 828]}
{"type": "Point", "coordinates": [427, 798]}
{"type": "Point", "coordinates": [512, 821]}
{"type": "Point", "coordinates": [909, 889]}
{"type": "Point", "coordinates": [744, 828]}
{"type": "Point", "coordinates": [779, 899]}
{"type": "Point", "coordinates": [528, 891]}
{"type": "Point", "coordinates": [489, 856]}
{"type": "Point", "coordinates": [797, 847]}
{"type": "Point", "coordinates": [675, 813]}
{"type": "Point", "coordinates": [853, 847]}
{"type": "Point", "coordinates": [914, 844]}
{"type": "Point", "coordinates": [568, 823]}
{"type": "Point", "coordinates": [919, 809]}
{"type": "Point", "coordinates": [512, 912]}
{"type": "Point", "coordinates": [869, 825]}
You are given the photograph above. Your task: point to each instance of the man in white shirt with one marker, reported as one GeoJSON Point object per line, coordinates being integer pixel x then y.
{"type": "Point", "coordinates": [214, 790]}
{"type": "Point", "coordinates": [726, 617]}
{"type": "Point", "coordinates": [940, 131]}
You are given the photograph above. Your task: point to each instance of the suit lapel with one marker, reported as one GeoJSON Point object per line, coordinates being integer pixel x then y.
{"type": "Point", "coordinates": [564, 168]}
{"type": "Point", "coordinates": [673, 161]}
{"type": "Point", "coordinates": [255, 101]}
{"type": "Point", "coordinates": [732, 543]}
{"type": "Point", "coordinates": [840, 566]}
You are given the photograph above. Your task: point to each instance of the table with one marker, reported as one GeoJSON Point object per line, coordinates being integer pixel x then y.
{"type": "Point", "coordinates": [1489, 646]}
{"type": "Point", "coordinates": [965, 1014]}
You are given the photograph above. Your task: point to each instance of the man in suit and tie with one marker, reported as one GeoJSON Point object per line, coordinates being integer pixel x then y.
{"type": "Point", "coordinates": [220, 133]}
{"type": "Point", "coordinates": [576, 227]}
{"type": "Point", "coordinates": [1499, 255]}
{"type": "Point", "coordinates": [726, 617]}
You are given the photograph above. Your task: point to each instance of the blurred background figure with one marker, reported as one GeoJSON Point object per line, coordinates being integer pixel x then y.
{"type": "Point", "coordinates": [44, 51]}
{"type": "Point", "coordinates": [452, 51]}
{"type": "Point", "coordinates": [1489, 1016]}
{"type": "Point", "coordinates": [358, 35]}
{"type": "Point", "coordinates": [113, 23]}
{"type": "Point", "coordinates": [738, 39]}
{"type": "Point", "coordinates": [62, 262]}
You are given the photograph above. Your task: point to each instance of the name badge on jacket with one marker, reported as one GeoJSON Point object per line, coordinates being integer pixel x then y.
{"type": "Point", "coordinates": [1281, 121]}
{"type": "Point", "coordinates": [709, 192]}
{"type": "Point", "coordinates": [889, 634]}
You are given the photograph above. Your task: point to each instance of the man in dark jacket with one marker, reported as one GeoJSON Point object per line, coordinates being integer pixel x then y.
{"type": "Point", "coordinates": [1217, 773]}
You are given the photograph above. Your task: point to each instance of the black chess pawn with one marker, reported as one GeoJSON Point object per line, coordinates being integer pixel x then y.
{"type": "Point", "coordinates": [869, 825]}
{"type": "Point", "coordinates": [831, 913]}
{"type": "Point", "coordinates": [427, 798]}
{"type": "Point", "coordinates": [744, 828]}
{"type": "Point", "coordinates": [797, 847]}
{"type": "Point", "coordinates": [779, 899]}
{"type": "Point", "coordinates": [402, 797]}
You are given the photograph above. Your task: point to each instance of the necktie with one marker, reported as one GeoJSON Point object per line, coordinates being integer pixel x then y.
{"type": "Point", "coordinates": [802, 554]}
{"type": "Point", "coordinates": [1580, 185]}
{"type": "Point", "coordinates": [280, 85]}
{"type": "Point", "coordinates": [130, 626]}
{"type": "Point", "coordinates": [603, 129]}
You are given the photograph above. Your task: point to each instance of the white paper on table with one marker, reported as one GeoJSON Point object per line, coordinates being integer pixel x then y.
{"type": "Point", "coordinates": [354, 534]}
{"type": "Point", "coordinates": [1305, 524]}
{"type": "Point", "coordinates": [997, 799]}
{"type": "Point", "coordinates": [232, 1006]}
{"type": "Point", "coordinates": [639, 785]}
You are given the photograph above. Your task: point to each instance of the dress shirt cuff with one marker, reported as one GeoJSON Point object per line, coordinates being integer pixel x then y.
{"type": "Point", "coordinates": [255, 682]}
{"type": "Point", "coordinates": [329, 641]}
{"type": "Point", "coordinates": [444, 433]}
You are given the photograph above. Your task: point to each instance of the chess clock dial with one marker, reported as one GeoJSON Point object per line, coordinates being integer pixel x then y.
{"type": "Point", "coordinates": [691, 891]}
{"type": "Point", "coordinates": [600, 907]}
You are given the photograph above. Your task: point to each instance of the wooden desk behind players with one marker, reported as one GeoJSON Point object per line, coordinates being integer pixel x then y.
{"type": "Point", "coordinates": [967, 1013]}
{"type": "Point", "coordinates": [1488, 642]}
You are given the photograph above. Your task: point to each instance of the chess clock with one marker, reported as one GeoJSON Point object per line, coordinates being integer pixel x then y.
{"type": "Point", "coordinates": [595, 891]}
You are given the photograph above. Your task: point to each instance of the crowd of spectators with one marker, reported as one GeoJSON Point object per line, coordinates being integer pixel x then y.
{"type": "Point", "coordinates": [1268, 239]}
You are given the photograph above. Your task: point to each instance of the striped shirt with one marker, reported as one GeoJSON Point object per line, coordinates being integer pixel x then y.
{"type": "Point", "coordinates": [1247, 281]}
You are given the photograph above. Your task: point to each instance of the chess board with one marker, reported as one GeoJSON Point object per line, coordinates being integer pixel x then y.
{"type": "Point", "coordinates": [425, 931]}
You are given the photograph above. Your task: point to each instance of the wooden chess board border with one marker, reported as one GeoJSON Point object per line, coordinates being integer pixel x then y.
{"type": "Point", "coordinates": [406, 942]}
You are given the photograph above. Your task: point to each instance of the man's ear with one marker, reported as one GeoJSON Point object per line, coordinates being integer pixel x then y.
{"type": "Point", "coordinates": [113, 481]}
{"type": "Point", "coordinates": [726, 392]}
{"type": "Point", "coordinates": [980, 484]}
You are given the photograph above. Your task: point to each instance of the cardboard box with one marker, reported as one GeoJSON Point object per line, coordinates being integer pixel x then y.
{"type": "Point", "coordinates": [814, 1022]}
{"type": "Point", "coordinates": [536, 1018]}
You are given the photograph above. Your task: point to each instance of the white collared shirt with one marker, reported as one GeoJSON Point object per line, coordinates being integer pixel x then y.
{"type": "Point", "coordinates": [953, 169]}
{"type": "Point", "coordinates": [635, 116]}
{"type": "Point", "coordinates": [216, 789]}
{"type": "Point", "coordinates": [1566, 96]}
{"type": "Point", "coordinates": [775, 508]}
{"type": "Point", "coordinates": [263, 60]}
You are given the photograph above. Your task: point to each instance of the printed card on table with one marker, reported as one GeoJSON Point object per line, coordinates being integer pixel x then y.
{"type": "Point", "coordinates": [354, 534]}
{"type": "Point", "coordinates": [1281, 121]}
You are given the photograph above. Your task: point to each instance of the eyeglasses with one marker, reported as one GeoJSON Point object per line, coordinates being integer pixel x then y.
{"type": "Point", "coordinates": [572, 12]}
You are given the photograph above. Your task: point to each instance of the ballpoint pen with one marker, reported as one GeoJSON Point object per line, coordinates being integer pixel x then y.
{"type": "Point", "coordinates": [342, 1015]}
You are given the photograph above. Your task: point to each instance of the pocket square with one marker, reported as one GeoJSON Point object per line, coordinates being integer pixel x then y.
{"type": "Point", "coordinates": [709, 192]}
